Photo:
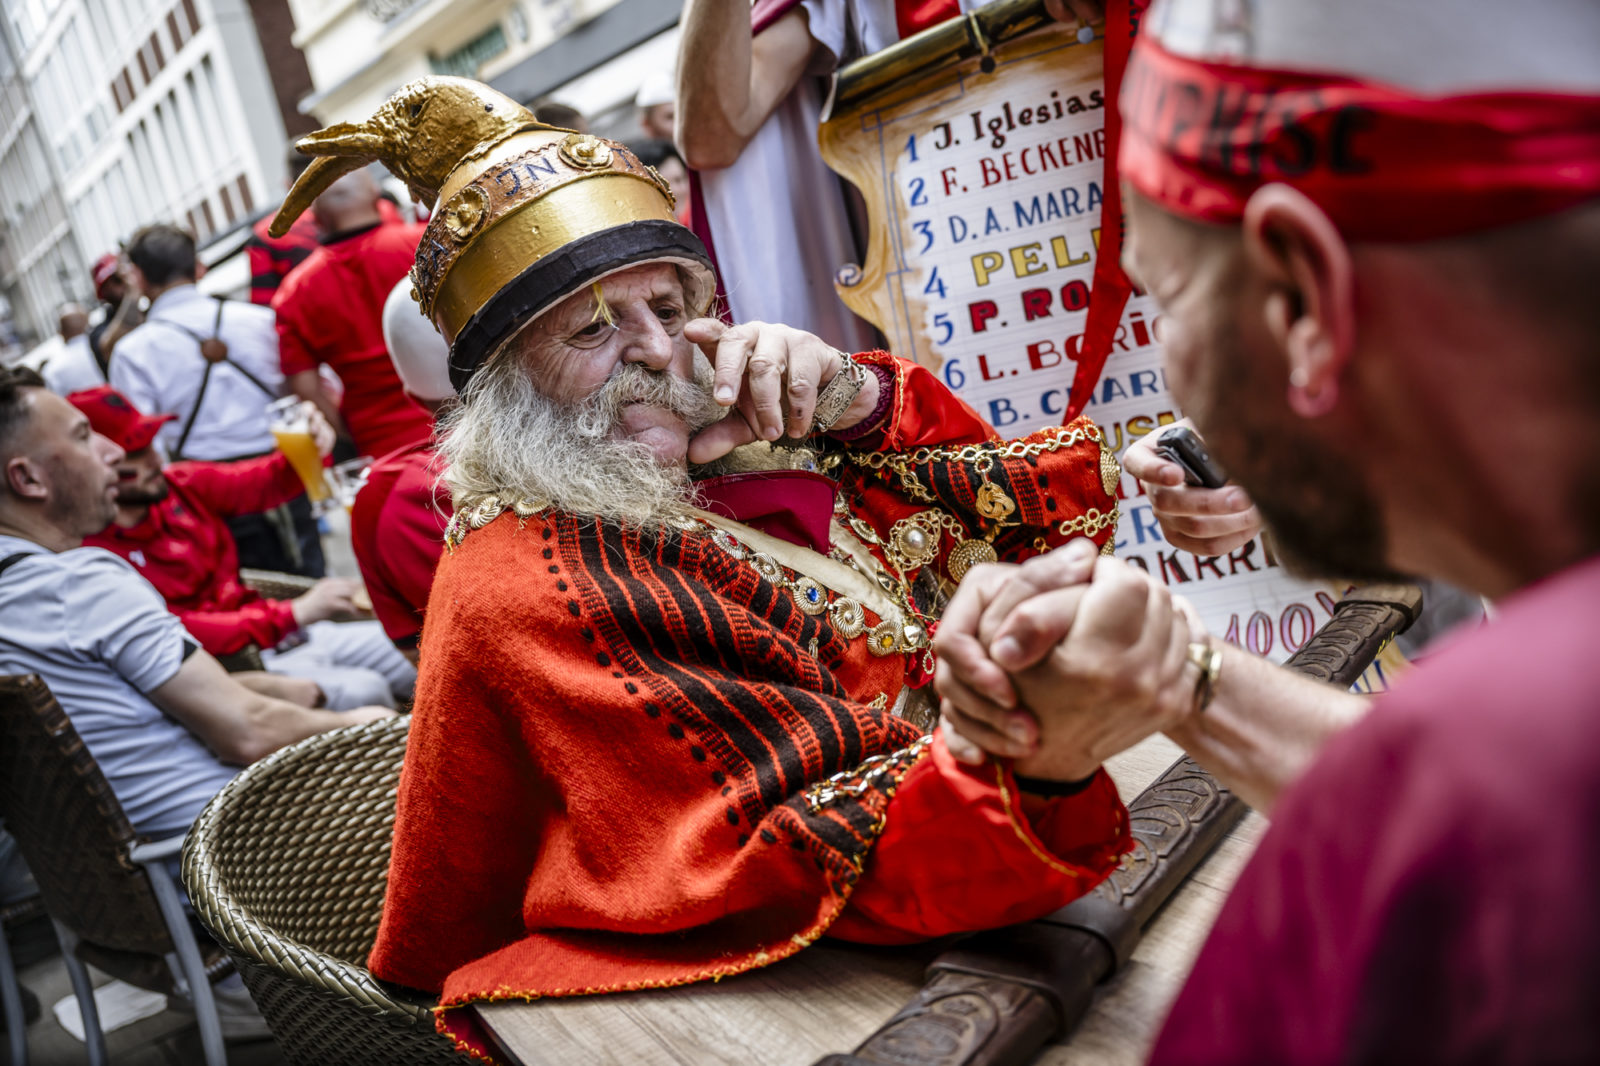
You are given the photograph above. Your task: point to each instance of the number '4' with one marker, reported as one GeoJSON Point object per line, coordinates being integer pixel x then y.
{"type": "Point", "coordinates": [935, 284]}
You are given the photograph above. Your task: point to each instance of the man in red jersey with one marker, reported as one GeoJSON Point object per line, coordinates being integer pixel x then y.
{"type": "Point", "coordinates": [1374, 231]}
{"type": "Point", "coordinates": [398, 522]}
{"type": "Point", "coordinates": [170, 526]}
{"type": "Point", "coordinates": [330, 312]}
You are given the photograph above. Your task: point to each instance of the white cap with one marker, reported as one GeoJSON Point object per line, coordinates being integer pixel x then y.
{"type": "Point", "coordinates": [420, 355]}
{"type": "Point", "coordinates": [660, 86]}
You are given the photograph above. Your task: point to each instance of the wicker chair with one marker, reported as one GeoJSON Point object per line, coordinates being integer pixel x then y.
{"type": "Point", "coordinates": [10, 990]}
{"type": "Point", "coordinates": [287, 867]}
{"type": "Point", "coordinates": [276, 586]}
{"type": "Point", "coordinates": [109, 893]}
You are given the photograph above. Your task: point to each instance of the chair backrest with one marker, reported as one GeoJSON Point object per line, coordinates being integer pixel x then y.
{"type": "Point", "coordinates": [287, 867]}
{"type": "Point", "coordinates": [69, 827]}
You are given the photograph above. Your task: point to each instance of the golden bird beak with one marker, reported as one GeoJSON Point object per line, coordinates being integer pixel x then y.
{"type": "Point", "coordinates": [340, 149]}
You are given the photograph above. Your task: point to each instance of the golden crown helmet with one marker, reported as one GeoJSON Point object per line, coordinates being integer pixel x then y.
{"type": "Point", "coordinates": [524, 214]}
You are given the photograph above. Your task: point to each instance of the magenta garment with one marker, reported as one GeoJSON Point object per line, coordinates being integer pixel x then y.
{"type": "Point", "coordinates": [1430, 890]}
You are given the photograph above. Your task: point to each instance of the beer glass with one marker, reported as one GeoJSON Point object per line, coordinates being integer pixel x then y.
{"type": "Point", "coordinates": [348, 477]}
{"type": "Point", "coordinates": [290, 421]}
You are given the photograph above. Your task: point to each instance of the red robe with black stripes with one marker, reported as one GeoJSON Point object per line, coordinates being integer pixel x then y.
{"type": "Point", "coordinates": [617, 771]}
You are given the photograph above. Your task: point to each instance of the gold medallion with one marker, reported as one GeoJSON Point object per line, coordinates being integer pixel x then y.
{"type": "Point", "coordinates": [884, 638]}
{"type": "Point", "coordinates": [464, 214]}
{"type": "Point", "coordinates": [585, 152]}
{"type": "Point", "coordinates": [809, 595]}
{"type": "Point", "coordinates": [766, 566]}
{"type": "Point", "coordinates": [848, 618]}
{"type": "Point", "coordinates": [993, 503]}
{"type": "Point", "coordinates": [966, 555]}
{"type": "Point", "coordinates": [1110, 470]}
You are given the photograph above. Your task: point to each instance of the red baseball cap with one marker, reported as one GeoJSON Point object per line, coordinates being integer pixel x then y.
{"type": "Point", "coordinates": [104, 269]}
{"type": "Point", "coordinates": [112, 416]}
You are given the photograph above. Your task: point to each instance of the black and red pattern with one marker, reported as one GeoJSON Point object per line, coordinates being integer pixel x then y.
{"type": "Point", "coordinates": [724, 653]}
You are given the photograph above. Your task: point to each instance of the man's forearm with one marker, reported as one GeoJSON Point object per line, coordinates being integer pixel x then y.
{"type": "Point", "coordinates": [270, 724]}
{"type": "Point", "coordinates": [724, 95]}
{"type": "Point", "coordinates": [1265, 726]}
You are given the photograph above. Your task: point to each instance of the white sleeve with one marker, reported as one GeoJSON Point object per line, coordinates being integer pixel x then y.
{"type": "Point", "coordinates": [131, 377]}
{"type": "Point", "coordinates": [114, 616]}
{"type": "Point", "coordinates": [829, 23]}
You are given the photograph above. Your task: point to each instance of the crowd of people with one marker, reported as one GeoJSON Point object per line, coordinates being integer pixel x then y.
{"type": "Point", "coordinates": [721, 630]}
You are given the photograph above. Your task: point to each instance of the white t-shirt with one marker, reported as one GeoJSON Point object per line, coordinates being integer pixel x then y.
{"type": "Point", "coordinates": [779, 224]}
{"type": "Point", "coordinates": [158, 367]}
{"type": "Point", "coordinates": [73, 368]}
{"type": "Point", "coordinates": [101, 637]}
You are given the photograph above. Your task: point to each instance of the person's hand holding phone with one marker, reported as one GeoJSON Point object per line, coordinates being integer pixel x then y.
{"type": "Point", "coordinates": [1196, 519]}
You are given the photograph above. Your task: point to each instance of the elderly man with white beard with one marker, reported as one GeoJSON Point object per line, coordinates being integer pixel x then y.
{"type": "Point", "coordinates": [671, 719]}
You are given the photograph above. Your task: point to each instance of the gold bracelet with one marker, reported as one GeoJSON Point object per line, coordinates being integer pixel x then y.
{"type": "Point", "coordinates": [1208, 660]}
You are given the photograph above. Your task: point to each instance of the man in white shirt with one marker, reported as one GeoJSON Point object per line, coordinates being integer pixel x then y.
{"type": "Point", "coordinates": [74, 367]}
{"type": "Point", "coordinates": [160, 368]}
{"type": "Point", "coordinates": [221, 407]}
{"type": "Point", "coordinates": [165, 723]}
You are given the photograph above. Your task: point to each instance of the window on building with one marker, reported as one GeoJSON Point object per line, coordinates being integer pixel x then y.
{"type": "Point", "coordinates": [465, 61]}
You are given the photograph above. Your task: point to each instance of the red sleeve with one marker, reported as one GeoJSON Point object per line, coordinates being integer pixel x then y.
{"type": "Point", "coordinates": [263, 623]}
{"type": "Point", "coordinates": [245, 487]}
{"type": "Point", "coordinates": [398, 538]}
{"type": "Point", "coordinates": [1024, 496]}
{"type": "Point", "coordinates": [948, 821]}
{"type": "Point", "coordinates": [923, 412]}
{"type": "Point", "coordinates": [294, 354]}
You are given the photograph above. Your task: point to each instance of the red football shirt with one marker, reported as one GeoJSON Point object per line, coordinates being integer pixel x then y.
{"type": "Point", "coordinates": [184, 549]}
{"type": "Point", "coordinates": [330, 311]}
{"type": "Point", "coordinates": [397, 531]}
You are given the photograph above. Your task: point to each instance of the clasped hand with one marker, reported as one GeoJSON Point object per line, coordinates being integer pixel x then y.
{"type": "Point", "coordinates": [1062, 661]}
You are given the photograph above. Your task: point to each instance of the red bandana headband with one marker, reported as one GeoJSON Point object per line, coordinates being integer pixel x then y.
{"type": "Point", "coordinates": [1385, 164]}
{"type": "Point", "coordinates": [1198, 138]}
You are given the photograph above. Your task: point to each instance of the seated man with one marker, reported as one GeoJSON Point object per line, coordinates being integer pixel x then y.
{"type": "Point", "coordinates": [170, 526]}
{"type": "Point", "coordinates": [397, 524]}
{"type": "Point", "coordinates": [671, 726]}
{"type": "Point", "coordinates": [166, 724]}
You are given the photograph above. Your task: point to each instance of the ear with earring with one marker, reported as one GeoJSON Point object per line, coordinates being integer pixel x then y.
{"type": "Point", "coordinates": [1307, 400]}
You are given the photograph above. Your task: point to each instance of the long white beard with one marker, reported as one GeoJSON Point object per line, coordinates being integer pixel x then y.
{"type": "Point", "coordinates": [508, 440]}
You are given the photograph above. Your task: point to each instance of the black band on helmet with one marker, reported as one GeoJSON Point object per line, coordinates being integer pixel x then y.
{"type": "Point", "coordinates": [559, 275]}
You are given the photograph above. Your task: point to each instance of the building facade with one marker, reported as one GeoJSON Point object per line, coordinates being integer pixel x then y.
{"type": "Point", "coordinates": [119, 113]}
{"type": "Point", "coordinates": [361, 51]}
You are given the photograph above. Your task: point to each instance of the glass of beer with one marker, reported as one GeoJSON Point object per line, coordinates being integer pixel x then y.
{"type": "Point", "coordinates": [348, 478]}
{"type": "Point", "coordinates": [290, 421]}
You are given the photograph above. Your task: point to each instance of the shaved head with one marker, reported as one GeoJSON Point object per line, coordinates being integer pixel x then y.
{"type": "Point", "coordinates": [349, 203]}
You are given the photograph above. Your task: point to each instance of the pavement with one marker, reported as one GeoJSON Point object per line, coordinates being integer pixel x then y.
{"type": "Point", "coordinates": [170, 1038]}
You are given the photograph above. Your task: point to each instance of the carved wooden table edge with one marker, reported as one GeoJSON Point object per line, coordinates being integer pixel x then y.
{"type": "Point", "coordinates": [997, 998]}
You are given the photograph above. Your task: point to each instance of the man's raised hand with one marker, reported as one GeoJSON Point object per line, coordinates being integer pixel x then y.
{"type": "Point", "coordinates": [770, 375]}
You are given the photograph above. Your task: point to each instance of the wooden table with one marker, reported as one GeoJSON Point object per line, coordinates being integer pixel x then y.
{"type": "Point", "coordinates": [831, 996]}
